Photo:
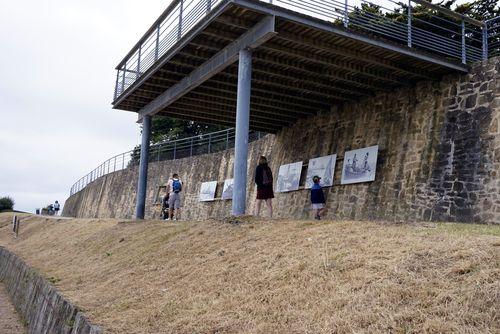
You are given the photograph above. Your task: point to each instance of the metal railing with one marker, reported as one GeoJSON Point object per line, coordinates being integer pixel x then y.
{"type": "Point", "coordinates": [492, 37]}
{"type": "Point", "coordinates": [416, 24]}
{"type": "Point", "coordinates": [170, 150]}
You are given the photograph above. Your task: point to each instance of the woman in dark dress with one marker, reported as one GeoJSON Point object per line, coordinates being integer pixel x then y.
{"type": "Point", "coordinates": [264, 181]}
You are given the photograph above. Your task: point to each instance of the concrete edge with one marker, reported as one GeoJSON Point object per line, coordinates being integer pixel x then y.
{"type": "Point", "coordinates": [42, 308]}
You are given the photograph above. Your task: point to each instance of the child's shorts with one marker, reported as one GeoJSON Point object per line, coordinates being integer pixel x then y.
{"type": "Point", "coordinates": [318, 206]}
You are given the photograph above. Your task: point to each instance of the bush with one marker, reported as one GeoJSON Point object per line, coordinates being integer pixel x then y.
{"type": "Point", "coordinates": [6, 203]}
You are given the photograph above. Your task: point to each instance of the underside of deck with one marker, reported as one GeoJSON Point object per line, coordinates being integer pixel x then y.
{"type": "Point", "coordinates": [306, 67]}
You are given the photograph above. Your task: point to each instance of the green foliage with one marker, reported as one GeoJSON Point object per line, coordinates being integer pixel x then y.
{"type": "Point", "coordinates": [480, 9]}
{"type": "Point", "coordinates": [6, 203]}
{"type": "Point", "coordinates": [167, 128]}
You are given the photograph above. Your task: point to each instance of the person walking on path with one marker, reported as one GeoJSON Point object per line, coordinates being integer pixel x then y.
{"type": "Point", "coordinates": [57, 206]}
{"type": "Point", "coordinates": [318, 202]}
{"type": "Point", "coordinates": [174, 187]}
{"type": "Point", "coordinates": [264, 181]}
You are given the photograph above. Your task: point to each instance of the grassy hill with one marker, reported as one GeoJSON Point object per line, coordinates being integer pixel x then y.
{"type": "Point", "coordinates": [269, 276]}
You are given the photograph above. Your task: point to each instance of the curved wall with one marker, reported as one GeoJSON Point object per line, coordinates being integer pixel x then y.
{"type": "Point", "coordinates": [439, 152]}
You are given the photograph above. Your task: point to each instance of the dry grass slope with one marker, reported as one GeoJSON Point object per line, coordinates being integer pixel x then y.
{"type": "Point", "coordinates": [270, 277]}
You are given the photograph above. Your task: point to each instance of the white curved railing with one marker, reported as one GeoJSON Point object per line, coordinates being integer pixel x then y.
{"type": "Point", "coordinates": [170, 150]}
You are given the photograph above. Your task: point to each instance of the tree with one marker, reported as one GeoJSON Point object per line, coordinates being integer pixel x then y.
{"type": "Point", "coordinates": [167, 128]}
{"type": "Point", "coordinates": [164, 129]}
{"type": "Point", "coordinates": [6, 203]}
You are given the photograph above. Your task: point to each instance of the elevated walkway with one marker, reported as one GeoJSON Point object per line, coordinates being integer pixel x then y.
{"type": "Point", "coordinates": [296, 59]}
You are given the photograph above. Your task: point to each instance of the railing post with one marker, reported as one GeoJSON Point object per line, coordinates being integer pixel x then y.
{"type": "Point", "coordinates": [209, 5]}
{"type": "Point", "coordinates": [138, 63]}
{"type": "Point", "coordinates": [410, 42]}
{"type": "Point", "coordinates": [123, 161]}
{"type": "Point", "coordinates": [485, 41]}
{"type": "Point", "coordinates": [114, 166]}
{"type": "Point", "coordinates": [346, 14]}
{"type": "Point", "coordinates": [227, 139]}
{"type": "Point", "coordinates": [209, 142]}
{"type": "Point", "coordinates": [116, 84]}
{"type": "Point", "coordinates": [123, 76]}
{"type": "Point", "coordinates": [191, 148]}
{"type": "Point", "coordinates": [175, 149]}
{"type": "Point", "coordinates": [157, 49]}
{"type": "Point", "coordinates": [464, 52]}
{"type": "Point", "coordinates": [181, 9]}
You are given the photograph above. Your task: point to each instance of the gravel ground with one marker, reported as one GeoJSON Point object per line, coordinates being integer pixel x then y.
{"type": "Point", "coordinates": [10, 323]}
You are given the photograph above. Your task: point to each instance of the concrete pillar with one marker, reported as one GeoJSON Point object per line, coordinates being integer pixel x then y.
{"type": "Point", "coordinates": [143, 168]}
{"type": "Point", "coordinates": [242, 129]}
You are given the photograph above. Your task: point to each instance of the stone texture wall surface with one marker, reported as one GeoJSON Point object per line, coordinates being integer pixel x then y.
{"type": "Point", "coordinates": [43, 309]}
{"type": "Point", "coordinates": [439, 152]}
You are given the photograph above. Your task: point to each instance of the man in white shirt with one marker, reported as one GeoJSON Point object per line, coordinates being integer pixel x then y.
{"type": "Point", "coordinates": [174, 186]}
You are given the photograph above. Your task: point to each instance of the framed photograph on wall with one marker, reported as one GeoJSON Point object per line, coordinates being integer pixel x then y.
{"type": "Point", "coordinates": [207, 191]}
{"type": "Point", "coordinates": [289, 177]}
{"type": "Point", "coordinates": [324, 167]}
{"type": "Point", "coordinates": [360, 165]}
{"type": "Point", "coordinates": [227, 191]}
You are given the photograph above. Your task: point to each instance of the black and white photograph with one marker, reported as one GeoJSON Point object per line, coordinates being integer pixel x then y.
{"type": "Point", "coordinates": [324, 167]}
{"type": "Point", "coordinates": [360, 165]}
{"type": "Point", "coordinates": [207, 191]}
{"type": "Point", "coordinates": [227, 191]}
{"type": "Point", "coordinates": [289, 177]}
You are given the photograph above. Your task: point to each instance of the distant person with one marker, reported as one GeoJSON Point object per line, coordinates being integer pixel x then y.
{"type": "Point", "coordinates": [165, 211]}
{"type": "Point", "coordinates": [50, 209]}
{"type": "Point", "coordinates": [318, 203]}
{"type": "Point", "coordinates": [264, 181]}
{"type": "Point", "coordinates": [57, 206]}
{"type": "Point", "coordinates": [174, 187]}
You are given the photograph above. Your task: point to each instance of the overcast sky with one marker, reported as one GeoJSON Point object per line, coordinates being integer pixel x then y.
{"type": "Point", "coordinates": [57, 60]}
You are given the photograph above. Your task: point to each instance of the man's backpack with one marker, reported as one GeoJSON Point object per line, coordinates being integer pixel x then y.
{"type": "Point", "coordinates": [176, 185]}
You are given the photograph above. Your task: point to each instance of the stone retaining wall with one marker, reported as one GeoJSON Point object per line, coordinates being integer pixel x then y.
{"type": "Point", "coordinates": [42, 308]}
{"type": "Point", "coordinates": [439, 159]}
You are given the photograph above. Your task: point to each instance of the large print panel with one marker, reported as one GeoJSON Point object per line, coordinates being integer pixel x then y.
{"type": "Point", "coordinates": [227, 191]}
{"type": "Point", "coordinates": [207, 191]}
{"type": "Point", "coordinates": [324, 167]}
{"type": "Point", "coordinates": [360, 165]}
{"type": "Point", "coordinates": [289, 177]}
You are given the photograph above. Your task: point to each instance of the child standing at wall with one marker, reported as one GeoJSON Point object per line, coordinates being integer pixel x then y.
{"type": "Point", "coordinates": [164, 206]}
{"type": "Point", "coordinates": [318, 203]}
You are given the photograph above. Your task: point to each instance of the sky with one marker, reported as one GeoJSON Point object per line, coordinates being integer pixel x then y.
{"type": "Point", "coordinates": [57, 60]}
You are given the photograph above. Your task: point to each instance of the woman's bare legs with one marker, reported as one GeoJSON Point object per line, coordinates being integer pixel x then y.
{"type": "Point", "coordinates": [269, 203]}
{"type": "Point", "coordinates": [257, 207]}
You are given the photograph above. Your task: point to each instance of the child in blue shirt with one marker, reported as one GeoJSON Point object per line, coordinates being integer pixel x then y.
{"type": "Point", "coordinates": [318, 203]}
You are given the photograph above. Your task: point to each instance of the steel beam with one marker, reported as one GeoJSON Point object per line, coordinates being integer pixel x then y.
{"type": "Point", "coordinates": [143, 168]}
{"type": "Point", "coordinates": [242, 128]}
{"type": "Point", "coordinates": [260, 33]}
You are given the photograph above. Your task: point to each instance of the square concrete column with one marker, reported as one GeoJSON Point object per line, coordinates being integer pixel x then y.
{"type": "Point", "coordinates": [242, 129]}
{"type": "Point", "coordinates": [143, 168]}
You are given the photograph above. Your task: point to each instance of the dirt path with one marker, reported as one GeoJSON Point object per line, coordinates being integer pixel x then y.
{"type": "Point", "coordinates": [10, 323]}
